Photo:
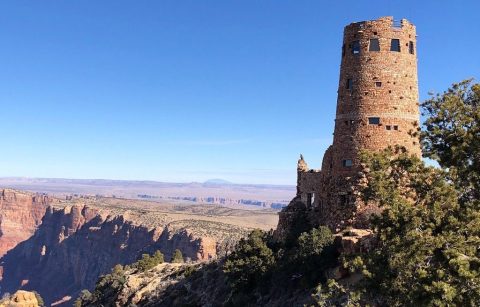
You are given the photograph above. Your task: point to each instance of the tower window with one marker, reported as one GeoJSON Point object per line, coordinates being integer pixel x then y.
{"type": "Point", "coordinates": [355, 47]}
{"type": "Point", "coordinates": [344, 200]}
{"type": "Point", "coordinates": [388, 127]}
{"type": "Point", "coordinates": [347, 163]}
{"type": "Point", "coordinates": [374, 120]}
{"type": "Point", "coordinates": [411, 47]}
{"type": "Point", "coordinates": [395, 45]}
{"type": "Point", "coordinates": [378, 84]}
{"type": "Point", "coordinates": [374, 45]}
{"type": "Point", "coordinates": [395, 127]}
{"type": "Point", "coordinates": [349, 84]}
{"type": "Point", "coordinates": [310, 199]}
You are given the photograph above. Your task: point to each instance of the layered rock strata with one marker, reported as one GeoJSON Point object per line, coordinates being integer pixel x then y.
{"type": "Point", "coordinates": [20, 215]}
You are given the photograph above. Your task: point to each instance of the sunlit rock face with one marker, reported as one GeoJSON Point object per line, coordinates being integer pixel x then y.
{"type": "Point", "coordinates": [20, 215]}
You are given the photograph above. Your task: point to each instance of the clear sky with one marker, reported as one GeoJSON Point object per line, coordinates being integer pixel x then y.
{"type": "Point", "coordinates": [194, 89]}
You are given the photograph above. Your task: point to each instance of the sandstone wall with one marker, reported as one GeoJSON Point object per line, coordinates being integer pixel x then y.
{"type": "Point", "coordinates": [20, 215]}
{"type": "Point", "coordinates": [20, 299]}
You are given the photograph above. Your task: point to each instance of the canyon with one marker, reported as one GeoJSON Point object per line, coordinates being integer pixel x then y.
{"type": "Point", "coordinates": [58, 247]}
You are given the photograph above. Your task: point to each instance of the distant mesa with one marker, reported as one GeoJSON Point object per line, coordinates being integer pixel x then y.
{"type": "Point", "coordinates": [217, 181]}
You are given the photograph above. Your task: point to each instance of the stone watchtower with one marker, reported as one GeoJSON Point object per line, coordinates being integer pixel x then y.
{"type": "Point", "coordinates": [377, 107]}
{"type": "Point", "coordinates": [377, 103]}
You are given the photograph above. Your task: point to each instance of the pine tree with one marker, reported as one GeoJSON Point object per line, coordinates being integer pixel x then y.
{"type": "Point", "coordinates": [177, 256]}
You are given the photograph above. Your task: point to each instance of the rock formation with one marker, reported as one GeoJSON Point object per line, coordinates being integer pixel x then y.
{"type": "Point", "coordinates": [21, 299]}
{"type": "Point", "coordinates": [20, 215]}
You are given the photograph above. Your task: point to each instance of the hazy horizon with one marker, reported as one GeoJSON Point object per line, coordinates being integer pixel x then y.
{"type": "Point", "coordinates": [211, 180]}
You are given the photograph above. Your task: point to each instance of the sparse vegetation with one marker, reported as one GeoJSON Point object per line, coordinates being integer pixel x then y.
{"type": "Point", "coordinates": [40, 301]}
{"type": "Point", "coordinates": [264, 268]}
{"type": "Point", "coordinates": [109, 286]}
{"type": "Point", "coordinates": [177, 256]}
{"type": "Point", "coordinates": [251, 261]}
{"type": "Point", "coordinates": [148, 262]}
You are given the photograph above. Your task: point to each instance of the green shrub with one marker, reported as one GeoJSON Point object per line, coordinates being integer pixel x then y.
{"type": "Point", "coordinates": [312, 243]}
{"type": "Point", "coordinates": [148, 262]}
{"type": "Point", "coordinates": [40, 301]}
{"type": "Point", "coordinates": [84, 297]}
{"type": "Point", "coordinates": [177, 257]}
{"type": "Point", "coordinates": [250, 263]}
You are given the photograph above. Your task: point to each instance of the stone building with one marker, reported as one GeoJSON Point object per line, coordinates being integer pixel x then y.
{"type": "Point", "coordinates": [377, 107]}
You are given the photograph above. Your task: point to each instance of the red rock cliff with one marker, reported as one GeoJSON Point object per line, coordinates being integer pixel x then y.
{"type": "Point", "coordinates": [20, 215]}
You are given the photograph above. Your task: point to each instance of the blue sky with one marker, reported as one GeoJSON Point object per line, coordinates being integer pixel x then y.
{"type": "Point", "coordinates": [192, 90]}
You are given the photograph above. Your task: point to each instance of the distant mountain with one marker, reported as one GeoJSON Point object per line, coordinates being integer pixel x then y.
{"type": "Point", "coordinates": [218, 181]}
{"type": "Point", "coordinates": [213, 191]}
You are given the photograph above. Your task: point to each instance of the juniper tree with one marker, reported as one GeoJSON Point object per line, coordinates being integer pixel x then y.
{"type": "Point", "coordinates": [429, 231]}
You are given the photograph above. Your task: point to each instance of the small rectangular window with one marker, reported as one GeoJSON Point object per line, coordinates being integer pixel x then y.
{"type": "Point", "coordinates": [374, 45]}
{"type": "Point", "coordinates": [395, 46]}
{"type": "Point", "coordinates": [349, 84]}
{"type": "Point", "coordinates": [310, 199]}
{"type": "Point", "coordinates": [345, 200]}
{"type": "Point", "coordinates": [347, 163]}
{"type": "Point", "coordinates": [411, 47]}
{"type": "Point", "coordinates": [388, 127]}
{"type": "Point", "coordinates": [374, 120]}
{"type": "Point", "coordinates": [378, 84]}
{"type": "Point", "coordinates": [355, 47]}
{"type": "Point", "coordinates": [395, 127]}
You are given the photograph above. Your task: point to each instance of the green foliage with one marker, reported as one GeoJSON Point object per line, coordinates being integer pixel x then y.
{"type": "Point", "coordinates": [299, 225]}
{"type": "Point", "coordinates": [429, 232]}
{"type": "Point", "coordinates": [40, 301]}
{"type": "Point", "coordinates": [177, 257]}
{"type": "Point", "coordinates": [334, 294]}
{"type": "Point", "coordinates": [313, 255]}
{"type": "Point", "coordinates": [148, 262]}
{"type": "Point", "coordinates": [83, 297]}
{"type": "Point", "coordinates": [106, 290]}
{"type": "Point", "coordinates": [111, 282]}
{"type": "Point", "coordinates": [257, 264]}
{"type": "Point", "coordinates": [249, 264]}
{"type": "Point", "coordinates": [452, 135]}
{"type": "Point", "coordinates": [189, 270]}
{"type": "Point", "coordinates": [312, 243]}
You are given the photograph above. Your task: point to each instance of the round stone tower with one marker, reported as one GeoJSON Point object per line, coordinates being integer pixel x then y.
{"type": "Point", "coordinates": [377, 102]}
{"type": "Point", "coordinates": [377, 107]}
